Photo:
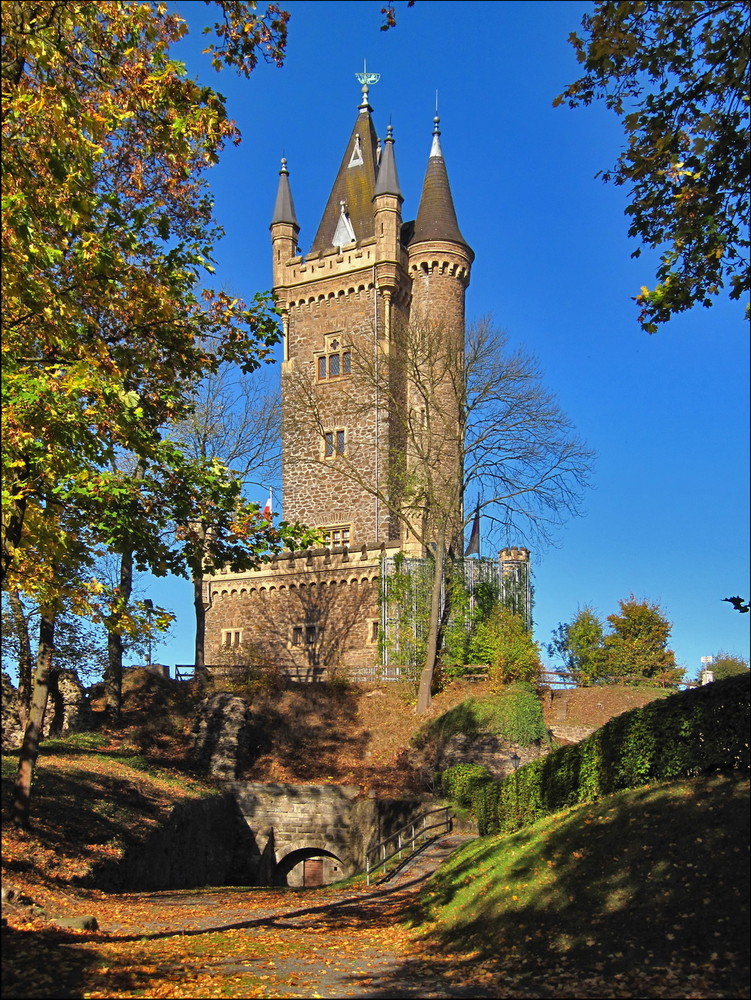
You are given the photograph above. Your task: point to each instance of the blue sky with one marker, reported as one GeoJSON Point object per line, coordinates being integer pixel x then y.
{"type": "Point", "coordinates": [667, 518]}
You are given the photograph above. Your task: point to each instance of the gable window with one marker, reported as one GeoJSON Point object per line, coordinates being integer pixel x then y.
{"type": "Point", "coordinates": [335, 362]}
{"type": "Point", "coordinates": [336, 536]}
{"type": "Point", "coordinates": [334, 443]}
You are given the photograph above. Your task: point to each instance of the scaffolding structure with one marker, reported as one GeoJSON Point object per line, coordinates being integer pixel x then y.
{"type": "Point", "coordinates": [404, 617]}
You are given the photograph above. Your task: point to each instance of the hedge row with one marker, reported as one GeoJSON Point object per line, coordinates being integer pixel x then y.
{"type": "Point", "coordinates": [693, 732]}
{"type": "Point", "coordinates": [461, 782]}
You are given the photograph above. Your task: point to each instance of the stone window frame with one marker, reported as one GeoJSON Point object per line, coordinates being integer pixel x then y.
{"type": "Point", "coordinates": [306, 635]}
{"type": "Point", "coordinates": [232, 638]}
{"type": "Point", "coordinates": [334, 362]}
{"type": "Point", "coordinates": [337, 535]}
{"type": "Point", "coordinates": [334, 442]}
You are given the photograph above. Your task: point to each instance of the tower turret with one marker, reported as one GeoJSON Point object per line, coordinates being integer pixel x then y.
{"type": "Point", "coordinates": [439, 257]}
{"type": "Point", "coordinates": [284, 227]}
{"type": "Point", "coordinates": [439, 262]}
{"type": "Point", "coordinates": [387, 209]}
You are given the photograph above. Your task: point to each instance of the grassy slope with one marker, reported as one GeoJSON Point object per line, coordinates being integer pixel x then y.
{"type": "Point", "coordinates": [645, 892]}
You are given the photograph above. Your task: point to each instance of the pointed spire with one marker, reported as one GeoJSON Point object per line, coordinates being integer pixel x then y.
{"type": "Point", "coordinates": [388, 179]}
{"type": "Point", "coordinates": [436, 216]}
{"type": "Point", "coordinates": [354, 185]}
{"type": "Point", "coordinates": [284, 207]}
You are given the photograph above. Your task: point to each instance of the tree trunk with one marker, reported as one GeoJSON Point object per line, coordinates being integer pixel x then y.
{"type": "Point", "coordinates": [25, 666]}
{"type": "Point", "coordinates": [14, 513]}
{"type": "Point", "coordinates": [199, 655]}
{"type": "Point", "coordinates": [30, 746]}
{"type": "Point", "coordinates": [113, 675]}
{"type": "Point", "coordinates": [424, 693]}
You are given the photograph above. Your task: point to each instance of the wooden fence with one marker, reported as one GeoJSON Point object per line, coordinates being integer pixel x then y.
{"type": "Point", "coordinates": [366, 674]}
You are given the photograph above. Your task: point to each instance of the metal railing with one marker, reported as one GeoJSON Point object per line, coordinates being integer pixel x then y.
{"type": "Point", "coordinates": [418, 830]}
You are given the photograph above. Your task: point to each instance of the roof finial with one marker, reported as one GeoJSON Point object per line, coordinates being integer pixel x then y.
{"type": "Point", "coordinates": [435, 149]}
{"type": "Point", "coordinates": [366, 79]}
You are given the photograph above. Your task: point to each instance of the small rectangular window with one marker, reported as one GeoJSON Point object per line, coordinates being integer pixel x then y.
{"type": "Point", "coordinates": [297, 635]}
{"type": "Point", "coordinates": [322, 367]}
{"type": "Point", "coordinates": [334, 365]}
{"type": "Point", "coordinates": [340, 442]}
{"type": "Point", "coordinates": [329, 443]}
{"type": "Point", "coordinates": [346, 363]}
{"type": "Point", "coordinates": [310, 635]}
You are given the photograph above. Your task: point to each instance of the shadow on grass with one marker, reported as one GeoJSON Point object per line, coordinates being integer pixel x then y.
{"type": "Point", "coordinates": [649, 883]}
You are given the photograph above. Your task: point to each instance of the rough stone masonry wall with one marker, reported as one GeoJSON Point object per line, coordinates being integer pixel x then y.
{"type": "Point", "coordinates": [286, 818]}
{"type": "Point", "coordinates": [201, 842]}
{"type": "Point", "coordinates": [312, 493]}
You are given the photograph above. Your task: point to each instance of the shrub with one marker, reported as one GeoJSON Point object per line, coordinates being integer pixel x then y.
{"type": "Point", "coordinates": [692, 732]}
{"type": "Point", "coordinates": [507, 644]}
{"type": "Point", "coordinates": [460, 782]}
{"type": "Point", "coordinates": [518, 715]}
{"type": "Point", "coordinates": [515, 714]}
{"type": "Point", "coordinates": [484, 806]}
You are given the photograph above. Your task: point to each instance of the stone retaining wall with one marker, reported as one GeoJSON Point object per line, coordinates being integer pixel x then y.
{"type": "Point", "coordinates": [201, 842]}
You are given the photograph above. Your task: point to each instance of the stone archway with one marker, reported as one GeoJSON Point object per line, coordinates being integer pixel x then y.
{"type": "Point", "coordinates": [293, 868]}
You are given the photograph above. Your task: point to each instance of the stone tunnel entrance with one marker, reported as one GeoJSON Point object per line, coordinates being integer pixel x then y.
{"type": "Point", "coordinates": [304, 835]}
{"type": "Point", "coordinates": [308, 867]}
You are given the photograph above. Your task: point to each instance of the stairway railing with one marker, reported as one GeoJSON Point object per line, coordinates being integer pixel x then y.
{"type": "Point", "coordinates": [378, 856]}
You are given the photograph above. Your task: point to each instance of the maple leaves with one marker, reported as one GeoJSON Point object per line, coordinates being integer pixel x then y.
{"type": "Point", "coordinates": [108, 239]}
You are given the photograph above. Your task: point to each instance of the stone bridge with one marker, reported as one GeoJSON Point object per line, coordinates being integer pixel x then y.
{"type": "Point", "coordinates": [314, 834]}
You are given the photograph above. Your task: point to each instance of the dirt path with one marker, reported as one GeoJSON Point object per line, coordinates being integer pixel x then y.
{"type": "Point", "coordinates": [324, 943]}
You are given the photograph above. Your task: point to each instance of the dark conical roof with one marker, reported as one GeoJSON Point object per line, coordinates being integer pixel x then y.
{"type": "Point", "coordinates": [354, 185]}
{"type": "Point", "coordinates": [284, 207]}
{"type": "Point", "coordinates": [387, 181]}
{"type": "Point", "coordinates": [436, 216]}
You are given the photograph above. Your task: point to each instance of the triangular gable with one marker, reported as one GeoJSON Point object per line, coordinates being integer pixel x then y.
{"type": "Point", "coordinates": [344, 232]}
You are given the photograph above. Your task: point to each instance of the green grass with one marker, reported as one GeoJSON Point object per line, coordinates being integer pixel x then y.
{"type": "Point", "coordinates": [644, 881]}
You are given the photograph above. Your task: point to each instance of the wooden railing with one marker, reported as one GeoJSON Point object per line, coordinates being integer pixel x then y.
{"type": "Point", "coordinates": [379, 855]}
{"type": "Point", "coordinates": [369, 673]}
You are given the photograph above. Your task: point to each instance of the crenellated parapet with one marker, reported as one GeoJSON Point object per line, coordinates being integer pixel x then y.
{"type": "Point", "coordinates": [514, 554]}
{"type": "Point", "coordinates": [340, 565]}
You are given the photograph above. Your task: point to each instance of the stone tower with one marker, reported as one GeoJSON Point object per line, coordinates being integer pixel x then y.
{"type": "Point", "coordinates": [369, 277]}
